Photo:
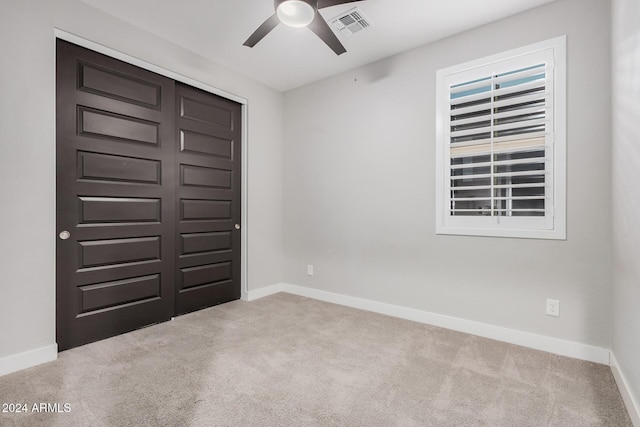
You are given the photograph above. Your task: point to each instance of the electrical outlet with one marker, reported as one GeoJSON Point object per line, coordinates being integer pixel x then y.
{"type": "Point", "coordinates": [553, 307]}
{"type": "Point", "coordinates": [309, 270]}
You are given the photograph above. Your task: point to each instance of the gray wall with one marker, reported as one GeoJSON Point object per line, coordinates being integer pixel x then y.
{"type": "Point", "coordinates": [27, 155]}
{"type": "Point", "coordinates": [359, 188]}
{"type": "Point", "coordinates": [626, 190]}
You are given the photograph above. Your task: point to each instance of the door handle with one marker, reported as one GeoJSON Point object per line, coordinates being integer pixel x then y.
{"type": "Point", "coordinates": [237, 226]}
{"type": "Point", "coordinates": [64, 235]}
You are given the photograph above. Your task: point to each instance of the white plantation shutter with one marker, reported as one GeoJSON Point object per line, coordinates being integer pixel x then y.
{"type": "Point", "coordinates": [501, 165]}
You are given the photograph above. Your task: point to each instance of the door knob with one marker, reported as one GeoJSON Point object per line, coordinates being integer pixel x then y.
{"type": "Point", "coordinates": [64, 235]}
{"type": "Point", "coordinates": [237, 226]}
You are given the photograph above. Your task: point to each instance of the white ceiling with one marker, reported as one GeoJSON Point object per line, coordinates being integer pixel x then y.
{"type": "Point", "coordinates": [291, 57]}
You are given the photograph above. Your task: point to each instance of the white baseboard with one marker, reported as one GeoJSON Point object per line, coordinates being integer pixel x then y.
{"type": "Point", "coordinates": [266, 291]}
{"type": "Point", "coordinates": [623, 385]}
{"type": "Point", "coordinates": [525, 339]}
{"type": "Point", "coordinates": [27, 359]}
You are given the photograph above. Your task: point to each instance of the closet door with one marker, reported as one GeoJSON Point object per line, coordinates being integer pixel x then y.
{"type": "Point", "coordinates": [208, 130]}
{"type": "Point", "coordinates": [115, 197]}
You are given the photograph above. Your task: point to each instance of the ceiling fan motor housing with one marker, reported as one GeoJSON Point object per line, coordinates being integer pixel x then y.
{"type": "Point", "coordinates": [312, 3]}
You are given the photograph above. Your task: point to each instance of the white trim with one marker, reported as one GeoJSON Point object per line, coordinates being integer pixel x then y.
{"type": "Point", "coordinates": [54, 183]}
{"type": "Point", "coordinates": [526, 339]}
{"type": "Point", "coordinates": [264, 292]}
{"type": "Point", "coordinates": [553, 224]}
{"type": "Point", "coordinates": [27, 359]}
{"type": "Point", "coordinates": [244, 197]}
{"type": "Point", "coordinates": [499, 57]}
{"type": "Point", "coordinates": [244, 200]}
{"type": "Point", "coordinates": [633, 407]}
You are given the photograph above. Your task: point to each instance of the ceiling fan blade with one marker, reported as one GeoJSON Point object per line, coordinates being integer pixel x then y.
{"type": "Point", "coordinates": [262, 31]}
{"type": "Point", "coordinates": [322, 30]}
{"type": "Point", "coordinates": [328, 3]}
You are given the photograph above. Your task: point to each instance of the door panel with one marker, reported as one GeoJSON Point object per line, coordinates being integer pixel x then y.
{"type": "Point", "coordinates": [203, 107]}
{"type": "Point", "coordinates": [118, 292]}
{"type": "Point", "coordinates": [115, 169]}
{"type": "Point", "coordinates": [113, 84]}
{"type": "Point", "coordinates": [205, 144]}
{"type": "Point", "coordinates": [205, 242]}
{"type": "Point", "coordinates": [108, 167]}
{"type": "Point", "coordinates": [208, 199]}
{"type": "Point", "coordinates": [198, 176]}
{"type": "Point", "coordinates": [119, 251]}
{"type": "Point", "coordinates": [118, 209]}
{"type": "Point", "coordinates": [206, 275]}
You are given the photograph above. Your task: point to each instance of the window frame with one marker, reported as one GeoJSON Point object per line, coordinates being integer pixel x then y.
{"type": "Point", "coordinates": [550, 226]}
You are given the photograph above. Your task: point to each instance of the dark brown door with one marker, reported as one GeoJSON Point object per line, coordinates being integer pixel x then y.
{"type": "Point", "coordinates": [148, 197]}
{"type": "Point", "coordinates": [208, 199]}
{"type": "Point", "coordinates": [115, 197]}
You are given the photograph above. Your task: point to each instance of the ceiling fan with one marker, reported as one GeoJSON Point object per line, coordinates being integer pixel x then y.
{"type": "Point", "coordinates": [301, 13]}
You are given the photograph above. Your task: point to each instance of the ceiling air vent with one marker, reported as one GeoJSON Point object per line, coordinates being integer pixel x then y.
{"type": "Point", "coordinates": [350, 22]}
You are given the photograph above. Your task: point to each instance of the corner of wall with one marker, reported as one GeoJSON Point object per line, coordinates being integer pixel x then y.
{"type": "Point", "coordinates": [633, 407]}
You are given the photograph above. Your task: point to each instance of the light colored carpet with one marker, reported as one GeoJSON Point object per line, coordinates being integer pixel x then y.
{"type": "Point", "coordinates": [285, 360]}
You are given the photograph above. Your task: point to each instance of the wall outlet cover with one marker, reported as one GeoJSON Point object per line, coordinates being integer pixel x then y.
{"type": "Point", "coordinates": [553, 307]}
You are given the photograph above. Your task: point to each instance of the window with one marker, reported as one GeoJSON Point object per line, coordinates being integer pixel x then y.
{"type": "Point", "coordinates": [501, 144]}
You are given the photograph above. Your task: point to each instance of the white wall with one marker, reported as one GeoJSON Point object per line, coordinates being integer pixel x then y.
{"type": "Point", "coordinates": [626, 191]}
{"type": "Point", "coordinates": [27, 155]}
{"type": "Point", "coordinates": [359, 188]}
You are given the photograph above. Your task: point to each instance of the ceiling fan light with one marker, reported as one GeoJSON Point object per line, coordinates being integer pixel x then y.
{"type": "Point", "coordinates": [295, 13]}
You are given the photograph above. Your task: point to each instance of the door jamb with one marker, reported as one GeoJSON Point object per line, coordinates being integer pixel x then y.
{"type": "Point", "coordinates": [244, 199]}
